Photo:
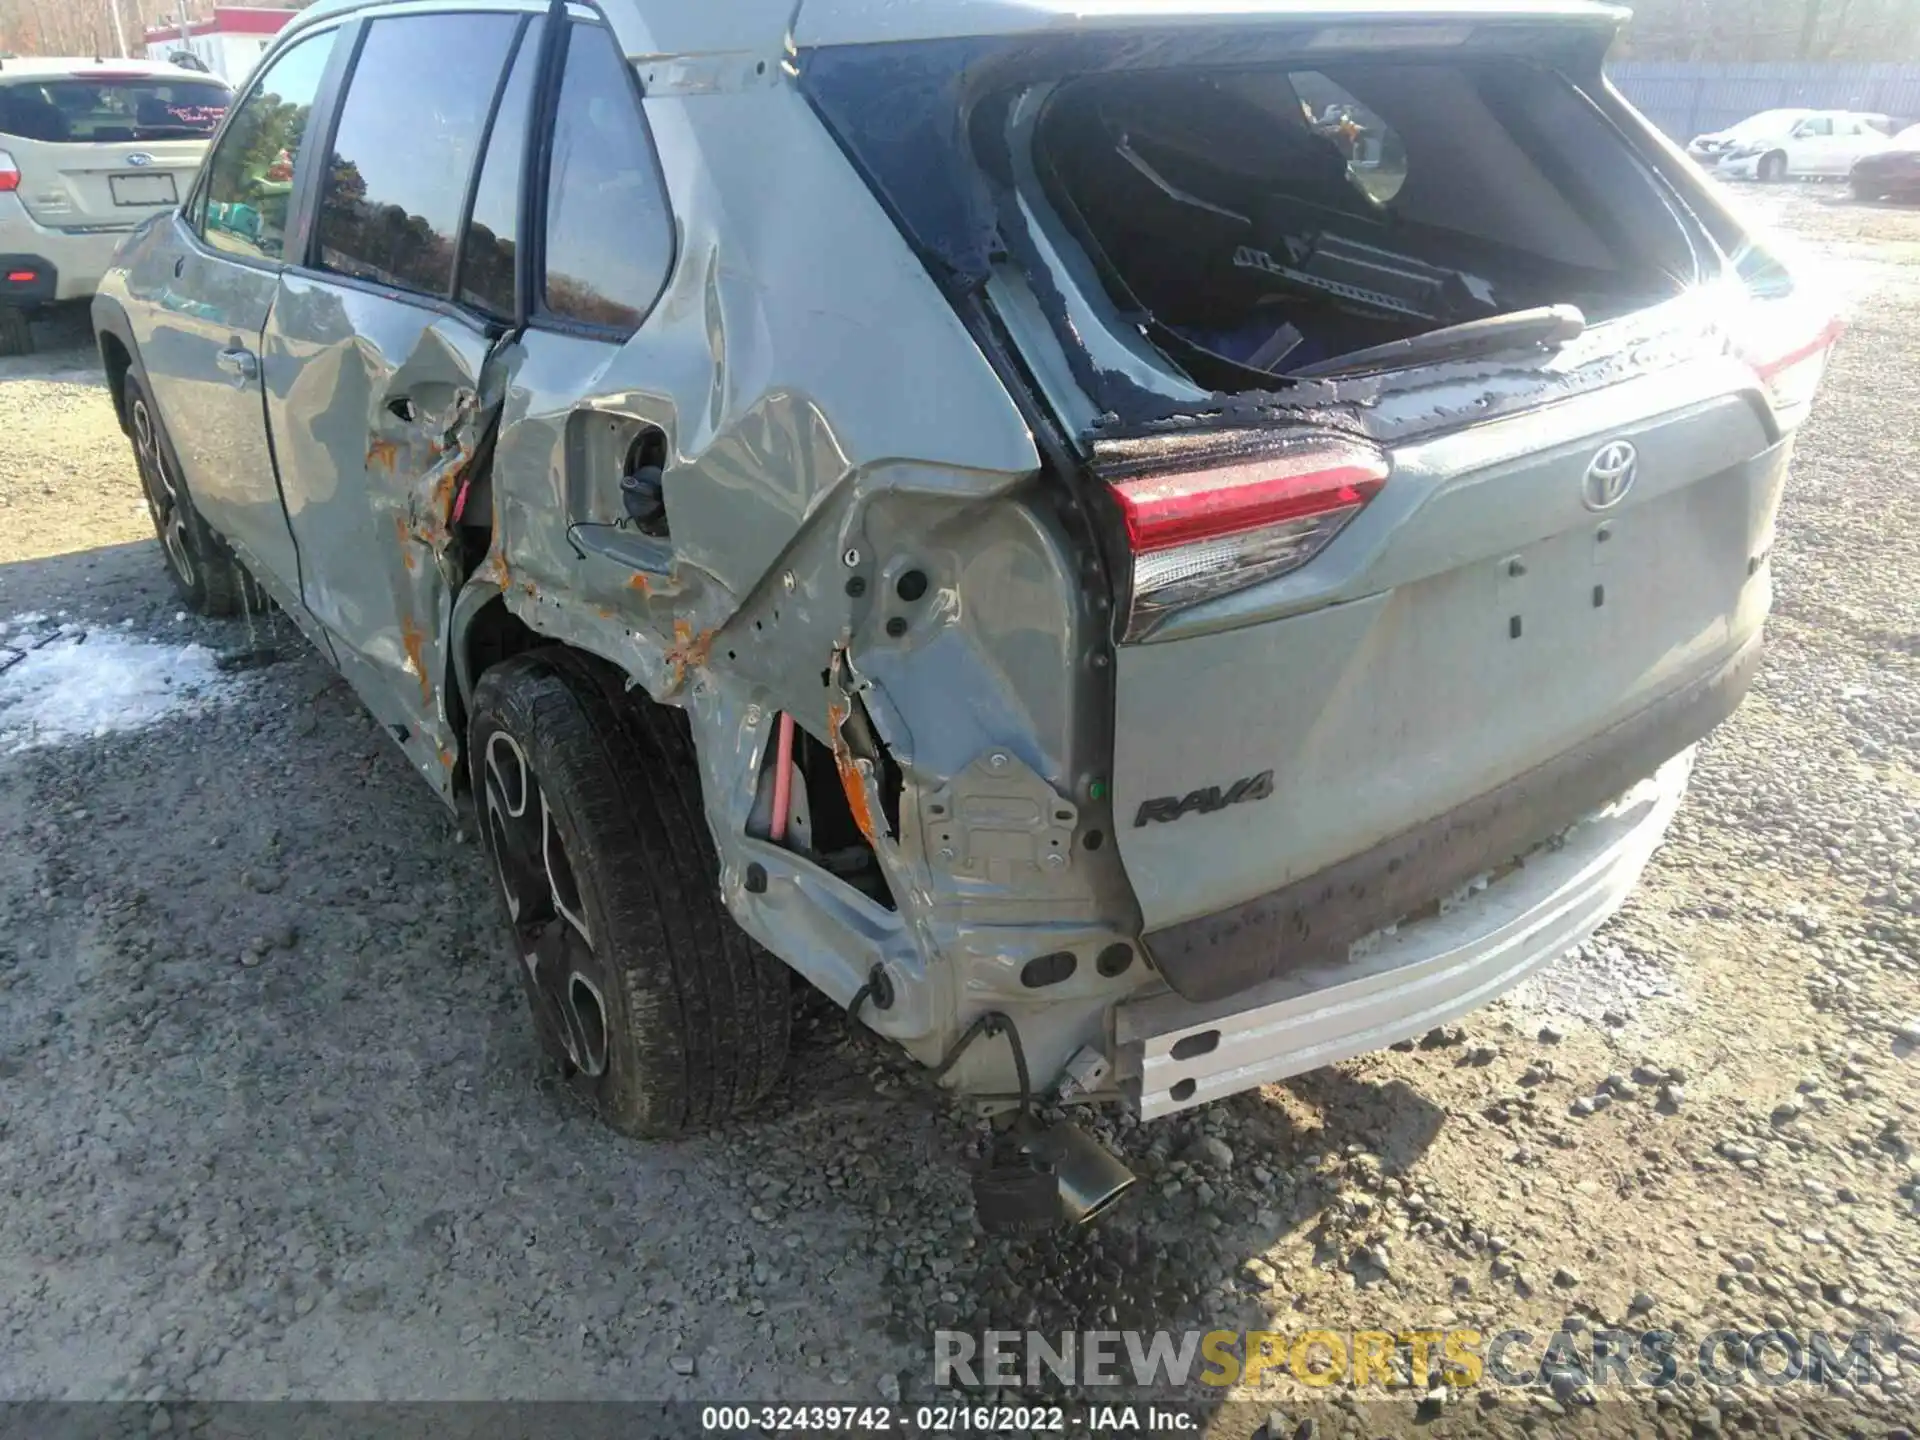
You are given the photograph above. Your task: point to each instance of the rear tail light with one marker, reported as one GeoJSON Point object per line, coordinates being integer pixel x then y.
{"type": "Point", "coordinates": [1206, 531]}
{"type": "Point", "coordinates": [9, 174]}
{"type": "Point", "coordinates": [1787, 343]}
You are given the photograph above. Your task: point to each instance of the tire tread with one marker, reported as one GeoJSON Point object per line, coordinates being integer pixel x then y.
{"type": "Point", "coordinates": [707, 1008]}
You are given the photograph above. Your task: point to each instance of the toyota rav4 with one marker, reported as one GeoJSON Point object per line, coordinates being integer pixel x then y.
{"type": "Point", "coordinates": [1144, 549]}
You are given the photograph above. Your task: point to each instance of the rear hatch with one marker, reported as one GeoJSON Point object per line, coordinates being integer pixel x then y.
{"type": "Point", "coordinates": [1439, 429]}
{"type": "Point", "coordinates": [103, 149]}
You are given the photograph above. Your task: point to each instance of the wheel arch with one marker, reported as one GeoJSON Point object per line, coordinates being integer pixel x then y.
{"type": "Point", "coordinates": [483, 632]}
{"type": "Point", "coordinates": [113, 334]}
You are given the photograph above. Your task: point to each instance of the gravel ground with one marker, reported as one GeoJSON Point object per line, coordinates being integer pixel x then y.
{"type": "Point", "coordinates": [274, 1124]}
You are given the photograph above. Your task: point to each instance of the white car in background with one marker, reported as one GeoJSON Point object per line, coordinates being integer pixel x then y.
{"type": "Point", "coordinates": [88, 150]}
{"type": "Point", "coordinates": [1788, 144]}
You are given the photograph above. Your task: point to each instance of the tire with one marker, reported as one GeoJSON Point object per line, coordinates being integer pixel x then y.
{"type": "Point", "coordinates": [204, 570]}
{"type": "Point", "coordinates": [16, 333]}
{"type": "Point", "coordinates": [1772, 168]}
{"type": "Point", "coordinates": [662, 1014]}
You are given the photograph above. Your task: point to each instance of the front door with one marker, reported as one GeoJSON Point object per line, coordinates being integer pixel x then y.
{"type": "Point", "coordinates": [201, 354]}
{"type": "Point", "coordinates": [1811, 150]}
{"type": "Point", "coordinates": [375, 361]}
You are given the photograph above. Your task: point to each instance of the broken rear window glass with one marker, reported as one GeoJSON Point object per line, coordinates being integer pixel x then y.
{"type": "Point", "coordinates": [1259, 223]}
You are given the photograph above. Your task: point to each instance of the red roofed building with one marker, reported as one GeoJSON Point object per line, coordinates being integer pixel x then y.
{"type": "Point", "coordinates": [229, 44]}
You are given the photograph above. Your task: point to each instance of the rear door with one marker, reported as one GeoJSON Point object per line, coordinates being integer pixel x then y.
{"type": "Point", "coordinates": [375, 355]}
{"type": "Point", "coordinates": [1461, 599]}
{"type": "Point", "coordinates": [103, 149]}
{"type": "Point", "coordinates": [200, 350]}
{"type": "Point", "coordinates": [1855, 137]}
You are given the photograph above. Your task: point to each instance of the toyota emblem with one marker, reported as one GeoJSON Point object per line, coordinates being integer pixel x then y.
{"type": "Point", "coordinates": [1610, 475]}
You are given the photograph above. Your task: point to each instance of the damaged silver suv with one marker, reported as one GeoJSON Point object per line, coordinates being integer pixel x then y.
{"type": "Point", "coordinates": [1145, 549]}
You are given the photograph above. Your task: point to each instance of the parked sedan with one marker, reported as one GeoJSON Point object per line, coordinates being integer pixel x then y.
{"type": "Point", "coordinates": [1892, 173]}
{"type": "Point", "coordinates": [1791, 144]}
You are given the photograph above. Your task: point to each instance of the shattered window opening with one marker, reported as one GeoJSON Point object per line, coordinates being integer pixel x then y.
{"type": "Point", "coordinates": [1256, 225]}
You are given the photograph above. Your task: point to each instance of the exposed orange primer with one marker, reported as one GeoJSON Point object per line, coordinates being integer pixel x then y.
{"type": "Point", "coordinates": [851, 780]}
{"type": "Point", "coordinates": [688, 649]}
{"type": "Point", "coordinates": [416, 644]}
{"type": "Point", "coordinates": [433, 499]}
{"type": "Point", "coordinates": [641, 583]}
{"type": "Point", "coordinates": [383, 454]}
{"type": "Point", "coordinates": [406, 541]}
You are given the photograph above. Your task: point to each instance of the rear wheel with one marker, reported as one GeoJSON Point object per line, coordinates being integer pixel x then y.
{"type": "Point", "coordinates": [1773, 167]}
{"type": "Point", "coordinates": [16, 334]}
{"type": "Point", "coordinates": [660, 1011]}
{"type": "Point", "coordinates": [209, 579]}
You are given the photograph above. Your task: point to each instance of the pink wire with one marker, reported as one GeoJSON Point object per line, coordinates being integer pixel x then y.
{"type": "Point", "coordinates": [782, 779]}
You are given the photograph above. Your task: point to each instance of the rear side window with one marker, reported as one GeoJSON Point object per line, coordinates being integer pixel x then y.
{"type": "Point", "coordinates": [609, 240]}
{"type": "Point", "coordinates": [493, 232]}
{"type": "Point", "coordinates": [243, 206]}
{"type": "Point", "coordinates": [112, 109]}
{"type": "Point", "coordinates": [405, 147]}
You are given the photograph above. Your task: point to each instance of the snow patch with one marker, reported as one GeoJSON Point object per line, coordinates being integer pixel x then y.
{"type": "Point", "coordinates": [70, 684]}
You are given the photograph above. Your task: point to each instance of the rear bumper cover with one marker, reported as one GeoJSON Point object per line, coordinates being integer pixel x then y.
{"type": "Point", "coordinates": [1311, 922]}
{"type": "Point", "coordinates": [42, 285]}
{"type": "Point", "coordinates": [77, 259]}
{"type": "Point", "coordinates": [1174, 1054]}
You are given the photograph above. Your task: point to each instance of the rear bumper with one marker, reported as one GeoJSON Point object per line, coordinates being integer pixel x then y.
{"type": "Point", "coordinates": [27, 279]}
{"type": "Point", "coordinates": [1313, 920]}
{"type": "Point", "coordinates": [1398, 985]}
{"type": "Point", "coordinates": [77, 259]}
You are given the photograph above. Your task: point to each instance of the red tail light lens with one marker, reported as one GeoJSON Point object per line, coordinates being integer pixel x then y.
{"type": "Point", "coordinates": [1788, 343]}
{"type": "Point", "coordinates": [9, 173]}
{"type": "Point", "coordinates": [1205, 531]}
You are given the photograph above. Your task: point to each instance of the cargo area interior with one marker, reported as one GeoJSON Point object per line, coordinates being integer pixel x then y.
{"type": "Point", "coordinates": [1280, 221]}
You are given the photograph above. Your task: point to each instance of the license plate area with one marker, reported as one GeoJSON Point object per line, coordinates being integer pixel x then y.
{"type": "Point", "coordinates": [143, 189]}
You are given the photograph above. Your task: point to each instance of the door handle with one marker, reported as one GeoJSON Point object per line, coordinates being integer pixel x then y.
{"type": "Point", "coordinates": [243, 365]}
{"type": "Point", "coordinates": [402, 408]}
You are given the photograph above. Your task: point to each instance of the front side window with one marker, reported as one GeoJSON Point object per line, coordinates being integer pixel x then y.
{"type": "Point", "coordinates": [1820, 125]}
{"type": "Point", "coordinates": [111, 109]}
{"type": "Point", "coordinates": [405, 147]}
{"type": "Point", "coordinates": [242, 208]}
{"type": "Point", "coordinates": [609, 237]}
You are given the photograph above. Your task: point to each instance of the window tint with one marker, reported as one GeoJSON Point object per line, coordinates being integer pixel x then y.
{"type": "Point", "coordinates": [408, 137]}
{"type": "Point", "coordinates": [609, 239]}
{"type": "Point", "coordinates": [242, 208]}
{"type": "Point", "coordinates": [493, 234]}
{"type": "Point", "coordinates": [115, 110]}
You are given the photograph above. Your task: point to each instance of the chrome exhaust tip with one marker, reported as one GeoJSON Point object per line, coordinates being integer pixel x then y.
{"type": "Point", "coordinates": [1091, 1178]}
{"type": "Point", "coordinates": [1033, 1182]}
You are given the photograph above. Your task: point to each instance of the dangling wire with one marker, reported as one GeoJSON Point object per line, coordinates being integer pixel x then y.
{"type": "Point", "coordinates": [994, 1023]}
